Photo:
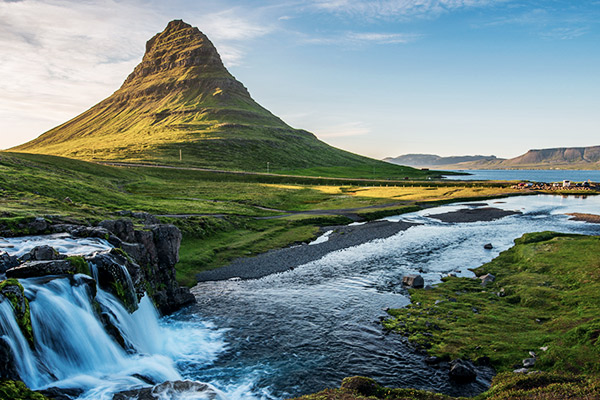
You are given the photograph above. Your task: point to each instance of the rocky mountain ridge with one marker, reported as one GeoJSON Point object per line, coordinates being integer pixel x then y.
{"type": "Point", "coordinates": [553, 158]}
{"type": "Point", "coordinates": [433, 160]}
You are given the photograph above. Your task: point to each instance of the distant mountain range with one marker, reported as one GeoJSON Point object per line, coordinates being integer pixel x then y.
{"type": "Point", "coordinates": [557, 158]}
{"type": "Point", "coordinates": [181, 106]}
{"type": "Point", "coordinates": [432, 160]}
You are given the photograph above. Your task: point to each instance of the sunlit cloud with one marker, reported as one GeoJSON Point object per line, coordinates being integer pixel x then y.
{"type": "Point", "coordinates": [397, 8]}
{"type": "Point", "coordinates": [59, 57]}
{"type": "Point", "coordinates": [547, 25]}
{"type": "Point", "coordinates": [364, 38]}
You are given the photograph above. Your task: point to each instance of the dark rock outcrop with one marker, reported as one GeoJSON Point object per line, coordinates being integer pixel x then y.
{"type": "Point", "coordinates": [168, 390]}
{"type": "Point", "coordinates": [462, 371]}
{"type": "Point", "coordinates": [413, 281]}
{"type": "Point", "coordinates": [121, 228]}
{"type": "Point", "coordinates": [41, 253]}
{"type": "Point", "coordinates": [7, 261]}
{"type": "Point", "coordinates": [31, 269]}
{"type": "Point", "coordinates": [150, 255]}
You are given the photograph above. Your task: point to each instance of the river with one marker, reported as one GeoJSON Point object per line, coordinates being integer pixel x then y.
{"type": "Point", "coordinates": [304, 330]}
{"type": "Point", "coordinates": [286, 334]}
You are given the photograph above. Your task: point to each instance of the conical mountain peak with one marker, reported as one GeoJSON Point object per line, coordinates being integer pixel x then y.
{"type": "Point", "coordinates": [180, 105]}
{"type": "Point", "coordinates": [180, 46]}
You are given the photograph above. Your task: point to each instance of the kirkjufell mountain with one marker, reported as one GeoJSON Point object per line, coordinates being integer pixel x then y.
{"type": "Point", "coordinates": [182, 98]}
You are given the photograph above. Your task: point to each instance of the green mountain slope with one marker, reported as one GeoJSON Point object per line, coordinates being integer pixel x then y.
{"type": "Point", "coordinates": [182, 100]}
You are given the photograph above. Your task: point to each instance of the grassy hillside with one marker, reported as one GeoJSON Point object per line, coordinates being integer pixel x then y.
{"type": "Point", "coordinates": [181, 106]}
{"type": "Point", "coordinates": [216, 211]}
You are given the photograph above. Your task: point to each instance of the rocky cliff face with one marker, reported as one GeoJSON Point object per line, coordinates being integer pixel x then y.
{"type": "Point", "coordinates": [182, 49]}
{"type": "Point", "coordinates": [149, 256]}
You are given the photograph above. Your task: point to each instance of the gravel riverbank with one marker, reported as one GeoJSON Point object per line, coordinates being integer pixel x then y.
{"type": "Point", "coordinates": [281, 260]}
{"type": "Point", "coordinates": [341, 237]}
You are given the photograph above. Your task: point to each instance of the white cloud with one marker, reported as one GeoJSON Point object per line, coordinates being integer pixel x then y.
{"type": "Point", "coordinates": [357, 38]}
{"type": "Point", "coordinates": [397, 8]}
{"type": "Point", "coordinates": [564, 33]}
{"type": "Point", "coordinates": [59, 57]}
{"type": "Point", "coordinates": [383, 38]}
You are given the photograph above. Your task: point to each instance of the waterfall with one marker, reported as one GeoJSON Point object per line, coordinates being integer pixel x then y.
{"type": "Point", "coordinates": [92, 343]}
{"type": "Point", "coordinates": [9, 330]}
{"type": "Point", "coordinates": [73, 348]}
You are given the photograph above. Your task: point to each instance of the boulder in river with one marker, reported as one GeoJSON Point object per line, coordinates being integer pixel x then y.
{"type": "Point", "coordinates": [413, 280]}
{"type": "Point", "coordinates": [172, 390]}
{"type": "Point", "coordinates": [42, 253]}
{"type": "Point", "coordinates": [462, 371]}
{"type": "Point", "coordinates": [361, 385]}
{"type": "Point", "coordinates": [488, 246]}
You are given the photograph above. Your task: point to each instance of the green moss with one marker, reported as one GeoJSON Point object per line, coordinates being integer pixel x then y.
{"type": "Point", "coordinates": [17, 390]}
{"type": "Point", "coordinates": [80, 264]}
{"type": "Point", "coordinates": [122, 253]}
{"type": "Point", "coordinates": [505, 386]}
{"type": "Point", "coordinates": [119, 291]}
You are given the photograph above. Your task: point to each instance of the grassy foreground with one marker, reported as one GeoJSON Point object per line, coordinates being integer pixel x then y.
{"type": "Point", "coordinates": [505, 386]}
{"type": "Point", "coordinates": [218, 213]}
{"type": "Point", "coordinates": [545, 299]}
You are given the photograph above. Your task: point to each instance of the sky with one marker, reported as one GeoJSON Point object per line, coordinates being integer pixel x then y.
{"type": "Point", "coordinates": [376, 77]}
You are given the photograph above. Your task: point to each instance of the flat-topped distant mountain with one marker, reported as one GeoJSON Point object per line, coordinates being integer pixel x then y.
{"type": "Point", "coordinates": [557, 158]}
{"type": "Point", "coordinates": [432, 160]}
{"type": "Point", "coordinates": [181, 101]}
{"type": "Point", "coordinates": [567, 157]}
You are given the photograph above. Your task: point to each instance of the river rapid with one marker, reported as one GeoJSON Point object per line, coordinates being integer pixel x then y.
{"type": "Point", "coordinates": [291, 333]}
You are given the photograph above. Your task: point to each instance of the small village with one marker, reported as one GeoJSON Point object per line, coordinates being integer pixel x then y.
{"type": "Point", "coordinates": [559, 186]}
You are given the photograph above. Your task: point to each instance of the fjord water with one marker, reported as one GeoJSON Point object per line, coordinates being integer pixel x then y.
{"type": "Point", "coordinates": [533, 175]}
{"type": "Point", "coordinates": [276, 337]}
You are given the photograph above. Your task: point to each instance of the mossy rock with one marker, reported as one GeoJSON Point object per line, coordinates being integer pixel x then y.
{"type": "Point", "coordinates": [17, 390]}
{"type": "Point", "coordinates": [14, 292]}
{"type": "Point", "coordinates": [81, 266]}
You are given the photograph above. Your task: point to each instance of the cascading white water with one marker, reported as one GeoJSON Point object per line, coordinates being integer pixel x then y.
{"type": "Point", "coordinates": [72, 348]}
{"type": "Point", "coordinates": [9, 330]}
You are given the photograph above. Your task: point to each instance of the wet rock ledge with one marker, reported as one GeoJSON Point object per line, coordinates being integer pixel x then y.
{"type": "Point", "coordinates": [149, 255]}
